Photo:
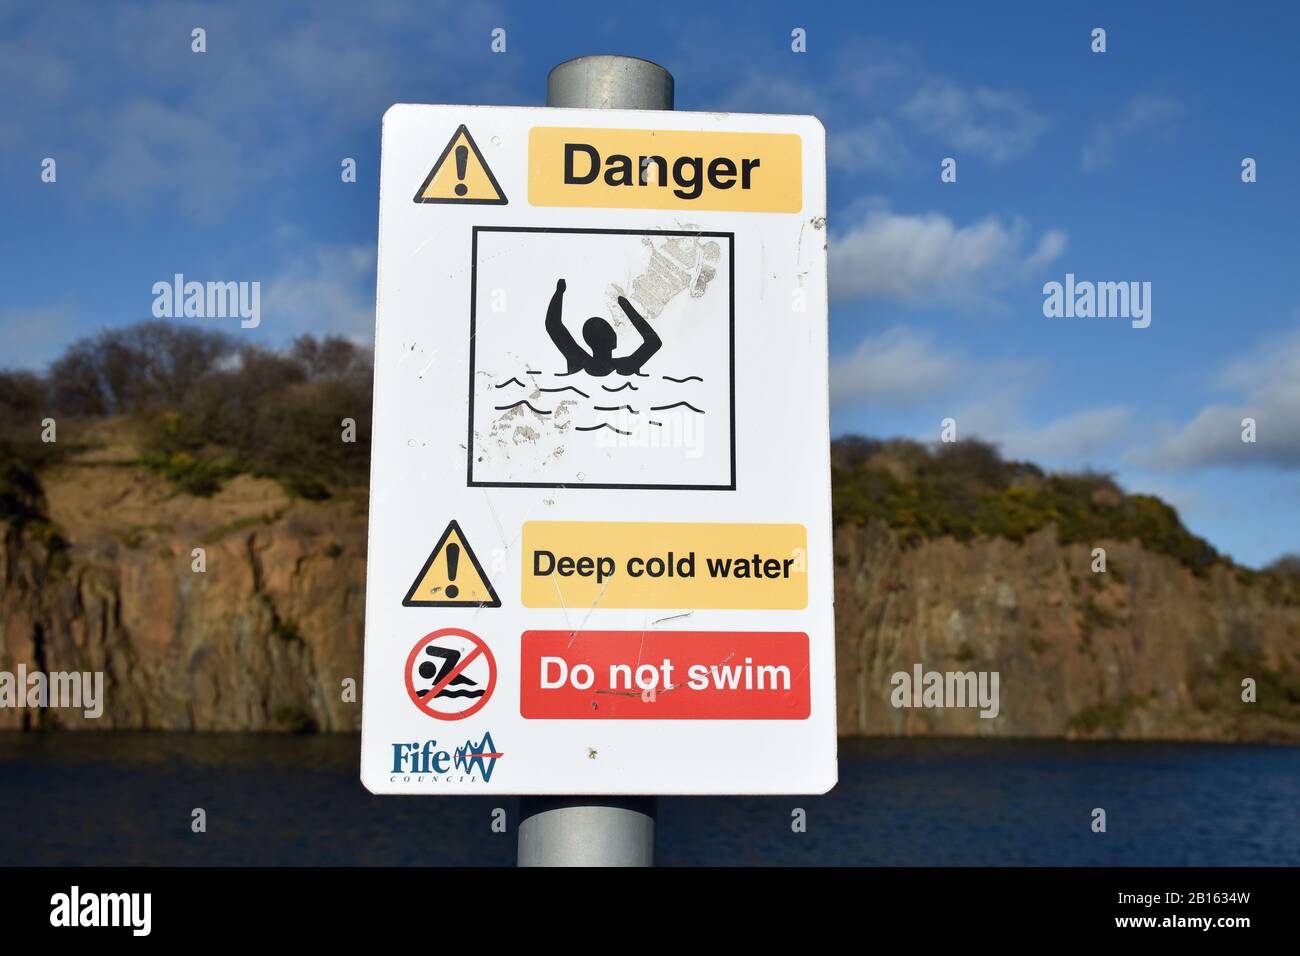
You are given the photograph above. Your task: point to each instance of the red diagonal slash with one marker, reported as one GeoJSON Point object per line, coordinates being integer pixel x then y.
{"type": "Point", "coordinates": [460, 666]}
{"type": "Point", "coordinates": [425, 702]}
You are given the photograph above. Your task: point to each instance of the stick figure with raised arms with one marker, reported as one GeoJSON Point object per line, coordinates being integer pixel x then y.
{"type": "Point", "coordinates": [600, 338]}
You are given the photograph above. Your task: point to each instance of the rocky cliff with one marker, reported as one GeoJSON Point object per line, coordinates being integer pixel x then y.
{"type": "Point", "coordinates": [261, 639]}
{"type": "Point", "coordinates": [264, 637]}
{"type": "Point", "coordinates": [1145, 650]}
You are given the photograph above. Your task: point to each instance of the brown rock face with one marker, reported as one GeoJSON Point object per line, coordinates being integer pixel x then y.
{"type": "Point", "coordinates": [266, 635]}
{"type": "Point", "coordinates": [1145, 650]}
{"type": "Point", "coordinates": [262, 638]}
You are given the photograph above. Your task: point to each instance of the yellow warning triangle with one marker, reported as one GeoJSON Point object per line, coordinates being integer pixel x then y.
{"type": "Point", "coordinates": [452, 576]}
{"type": "Point", "coordinates": [461, 174]}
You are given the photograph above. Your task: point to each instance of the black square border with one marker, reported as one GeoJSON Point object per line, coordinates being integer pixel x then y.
{"type": "Point", "coordinates": [731, 342]}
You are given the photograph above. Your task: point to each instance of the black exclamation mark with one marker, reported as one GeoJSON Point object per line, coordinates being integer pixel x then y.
{"type": "Point", "coordinates": [462, 157]}
{"type": "Point", "coordinates": [453, 553]}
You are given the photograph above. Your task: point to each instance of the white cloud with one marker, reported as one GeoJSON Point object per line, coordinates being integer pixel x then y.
{"type": "Point", "coordinates": [899, 368]}
{"type": "Point", "coordinates": [876, 97]}
{"type": "Point", "coordinates": [912, 258]}
{"type": "Point", "coordinates": [327, 291]}
{"type": "Point", "coordinates": [774, 94]}
{"type": "Point", "coordinates": [147, 151]}
{"type": "Point", "coordinates": [149, 124]}
{"type": "Point", "coordinates": [996, 124]}
{"type": "Point", "coordinates": [1082, 438]}
{"type": "Point", "coordinates": [871, 145]}
{"type": "Point", "coordinates": [1145, 113]}
{"type": "Point", "coordinates": [1267, 383]}
{"type": "Point", "coordinates": [1050, 247]}
{"type": "Point", "coordinates": [852, 142]}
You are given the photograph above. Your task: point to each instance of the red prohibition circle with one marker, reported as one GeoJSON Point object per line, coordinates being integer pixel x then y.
{"type": "Point", "coordinates": [481, 648]}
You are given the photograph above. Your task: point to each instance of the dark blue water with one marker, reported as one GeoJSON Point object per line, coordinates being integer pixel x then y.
{"type": "Point", "coordinates": [101, 799]}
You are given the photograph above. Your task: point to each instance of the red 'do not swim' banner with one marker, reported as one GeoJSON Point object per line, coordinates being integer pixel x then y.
{"type": "Point", "coordinates": [664, 675]}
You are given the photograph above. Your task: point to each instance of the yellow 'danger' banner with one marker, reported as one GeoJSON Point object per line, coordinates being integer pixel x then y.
{"type": "Point", "coordinates": [665, 169]}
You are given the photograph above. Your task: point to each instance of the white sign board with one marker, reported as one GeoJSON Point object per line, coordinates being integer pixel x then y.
{"type": "Point", "coordinates": [600, 552]}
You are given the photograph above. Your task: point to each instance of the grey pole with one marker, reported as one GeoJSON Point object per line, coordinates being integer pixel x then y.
{"type": "Point", "coordinates": [610, 83]}
{"type": "Point", "coordinates": [596, 831]}
{"type": "Point", "coordinates": [587, 831]}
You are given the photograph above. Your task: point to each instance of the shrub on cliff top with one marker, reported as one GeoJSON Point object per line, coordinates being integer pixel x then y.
{"type": "Point", "coordinates": [21, 497]}
{"type": "Point", "coordinates": [965, 489]}
{"type": "Point", "coordinates": [1282, 579]}
{"type": "Point", "coordinates": [24, 404]}
{"type": "Point", "coordinates": [209, 408]}
{"type": "Point", "coordinates": [1286, 566]}
{"type": "Point", "coordinates": [127, 370]}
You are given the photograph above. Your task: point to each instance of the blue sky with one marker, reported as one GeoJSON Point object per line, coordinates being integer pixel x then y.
{"type": "Point", "coordinates": [1121, 166]}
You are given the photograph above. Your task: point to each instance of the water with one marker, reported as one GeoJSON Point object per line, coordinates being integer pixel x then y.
{"type": "Point", "coordinates": [100, 799]}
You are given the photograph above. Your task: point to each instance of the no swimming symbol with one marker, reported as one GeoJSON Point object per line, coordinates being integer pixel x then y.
{"type": "Point", "coordinates": [450, 674]}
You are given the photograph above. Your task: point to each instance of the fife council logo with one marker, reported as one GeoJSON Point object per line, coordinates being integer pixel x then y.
{"type": "Point", "coordinates": [472, 762]}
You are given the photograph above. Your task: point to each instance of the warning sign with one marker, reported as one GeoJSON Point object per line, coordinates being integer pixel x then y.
{"type": "Point", "coordinates": [617, 385]}
{"type": "Point", "coordinates": [450, 674]}
{"type": "Point", "coordinates": [451, 576]}
{"type": "Point", "coordinates": [461, 174]}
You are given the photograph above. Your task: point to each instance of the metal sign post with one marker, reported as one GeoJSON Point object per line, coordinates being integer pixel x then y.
{"type": "Point", "coordinates": [585, 831]}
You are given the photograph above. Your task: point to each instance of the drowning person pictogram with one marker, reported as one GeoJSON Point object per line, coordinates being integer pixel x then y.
{"type": "Point", "coordinates": [601, 358]}
{"type": "Point", "coordinates": [600, 338]}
